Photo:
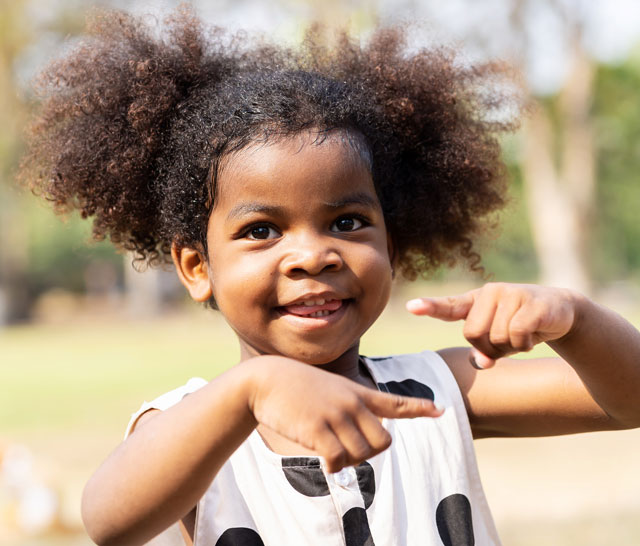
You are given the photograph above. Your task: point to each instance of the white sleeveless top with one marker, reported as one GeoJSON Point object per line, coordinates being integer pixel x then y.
{"type": "Point", "coordinates": [423, 490]}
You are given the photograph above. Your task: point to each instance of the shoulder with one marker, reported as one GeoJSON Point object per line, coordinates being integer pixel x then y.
{"type": "Point", "coordinates": [424, 375]}
{"type": "Point", "coordinates": [457, 360]}
{"type": "Point", "coordinates": [164, 401]}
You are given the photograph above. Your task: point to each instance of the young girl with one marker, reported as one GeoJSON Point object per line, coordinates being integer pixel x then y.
{"type": "Point", "coordinates": [287, 188]}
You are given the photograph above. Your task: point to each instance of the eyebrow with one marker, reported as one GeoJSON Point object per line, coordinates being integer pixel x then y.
{"type": "Point", "coordinates": [242, 209]}
{"type": "Point", "coordinates": [360, 198]}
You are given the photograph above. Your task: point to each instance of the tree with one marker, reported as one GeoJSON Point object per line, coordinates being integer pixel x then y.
{"type": "Point", "coordinates": [558, 158]}
{"type": "Point", "coordinates": [559, 172]}
{"type": "Point", "coordinates": [20, 273]}
{"type": "Point", "coordinates": [616, 115]}
{"type": "Point", "coordinates": [14, 37]}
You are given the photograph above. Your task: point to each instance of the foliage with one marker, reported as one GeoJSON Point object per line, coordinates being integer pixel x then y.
{"type": "Point", "coordinates": [510, 257]}
{"type": "Point", "coordinates": [60, 251]}
{"type": "Point", "coordinates": [616, 113]}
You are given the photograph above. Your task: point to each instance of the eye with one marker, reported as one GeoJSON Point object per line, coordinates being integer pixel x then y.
{"type": "Point", "coordinates": [347, 223]}
{"type": "Point", "coordinates": [261, 233]}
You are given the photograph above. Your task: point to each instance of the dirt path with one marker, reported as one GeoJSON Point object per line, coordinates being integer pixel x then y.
{"type": "Point", "coordinates": [586, 475]}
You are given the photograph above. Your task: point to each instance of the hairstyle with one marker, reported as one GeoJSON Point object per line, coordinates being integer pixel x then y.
{"type": "Point", "coordinates": [134, 121]}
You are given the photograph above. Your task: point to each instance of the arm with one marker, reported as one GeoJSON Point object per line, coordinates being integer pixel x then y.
{"type": "Point", "coordinates": [159, 473]}
{"type": "Point", "coordinates": [593, 386]}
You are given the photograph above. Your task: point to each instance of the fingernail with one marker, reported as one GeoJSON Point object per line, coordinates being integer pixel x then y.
{"type": "Point", "coordinates": [474, 363]}
{"type": "Point", "coordinates": [438, 406]}
{"type": "Point", "coordinates": [414, 304]}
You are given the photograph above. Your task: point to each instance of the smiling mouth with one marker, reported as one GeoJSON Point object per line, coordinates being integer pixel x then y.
{"type": "Point", "coordinates": [318, 308]}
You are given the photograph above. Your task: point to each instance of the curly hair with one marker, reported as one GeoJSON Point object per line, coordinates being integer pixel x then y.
{"type": "Point", "coordinates": [133, 124]}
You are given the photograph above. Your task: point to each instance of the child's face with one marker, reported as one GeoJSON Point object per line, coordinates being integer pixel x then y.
{"type": "Point", "coordinates": [299, 258]}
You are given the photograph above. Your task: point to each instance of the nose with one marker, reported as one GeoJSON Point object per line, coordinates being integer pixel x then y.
{"type": "Point", "coordinates": [311, 255]}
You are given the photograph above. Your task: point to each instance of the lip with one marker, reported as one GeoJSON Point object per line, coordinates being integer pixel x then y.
{"type": "Point", "coordinates": [315, 296]}
{"type": "Point", "coordinates": [312, 323]}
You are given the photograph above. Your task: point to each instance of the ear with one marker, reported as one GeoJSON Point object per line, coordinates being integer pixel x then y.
{"type": "Point", "coordinates": [193, 271]}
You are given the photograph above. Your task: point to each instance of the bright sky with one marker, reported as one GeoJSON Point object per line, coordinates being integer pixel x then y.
{"type": "Point", "coordinates": [611, 27]}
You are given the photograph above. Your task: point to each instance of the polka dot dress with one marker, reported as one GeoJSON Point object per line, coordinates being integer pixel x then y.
{"type": "Point", "coordinates": [423, 490]}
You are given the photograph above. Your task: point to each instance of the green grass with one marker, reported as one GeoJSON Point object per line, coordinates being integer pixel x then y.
{"type": "Point", "coordinates": [97, 373]}
{"type": "Point", "coordinates": [58, 373]}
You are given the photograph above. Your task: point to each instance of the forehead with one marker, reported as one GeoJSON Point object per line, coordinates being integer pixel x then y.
{"type": "Point", "coordinates": [299, 167]}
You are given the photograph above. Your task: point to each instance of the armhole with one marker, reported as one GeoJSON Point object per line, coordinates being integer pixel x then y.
{"type": "Point", "coordinates": [191, 519]}
{"type": "Point", "coordinates": [449, 382]}
{"type": "Point", "coordinates": [134, 424]}
{"type": "Point", "coordinates": [165, 401]}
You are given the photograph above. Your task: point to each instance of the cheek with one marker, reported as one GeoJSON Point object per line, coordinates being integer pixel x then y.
{"type": "Point", "coordinates": [376, 268]}
{"type": "Point", "coordinates": [239, 280]}
{"type": "Point", "coordinates": [376, 258]}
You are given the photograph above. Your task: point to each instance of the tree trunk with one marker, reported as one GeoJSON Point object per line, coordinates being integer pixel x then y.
{"type": "Point", "coordinates": [554, 218]}
{"type": "Point", "coordinates": [578, 170]}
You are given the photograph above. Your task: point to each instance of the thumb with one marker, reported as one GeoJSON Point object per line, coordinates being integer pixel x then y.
{"type": "Point", "coordinates": [395, 406]}
{"type": "Point", "coordinates": [447, 308]}
{"type": "Point", "coordinates": [479, 360]}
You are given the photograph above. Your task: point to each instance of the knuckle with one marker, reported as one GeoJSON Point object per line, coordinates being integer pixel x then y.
{"type": "Point", "coordinates": [336, 414]}
{"type": "Point", "coordinates": [335, 457]}
{"type": "Point", "coordinates": [499, 338]}
{"type": "Point", "coordinates": [351, 405]}
{"type": "Point", "coordinates": [317, 429]}
{"type": "Point", "coordinates": [520, 326]}
{"type": "Point", "coordinates": [383, 441]}
{"type": "Point", "coordinates": [399, 402]}
{"type": "Point", "coordinates": [361, 451]}
{"type": "Point", "coordinates": [473, 332]}
{"type": "Point", "coordinates": [494, 287]}
{"type": "Point", "coordinates": [519, 331]}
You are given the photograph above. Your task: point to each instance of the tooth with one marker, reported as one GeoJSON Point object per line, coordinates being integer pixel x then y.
{"type": "Point", "coordinates": [319, 302]}
{"type": "Point", "coordinates": [308, 303]}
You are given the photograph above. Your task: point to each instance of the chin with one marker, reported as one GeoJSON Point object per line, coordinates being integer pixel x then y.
{"type": "Point", "coordinates": [317, 356]}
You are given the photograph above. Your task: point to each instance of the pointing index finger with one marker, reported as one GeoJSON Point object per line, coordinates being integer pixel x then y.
{"type": "Point", "coordinates": [447, 308]}
{"type": "Point", "coordinates": [395, 406]}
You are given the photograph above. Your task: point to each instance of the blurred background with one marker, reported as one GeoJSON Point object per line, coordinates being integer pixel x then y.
{"type": "Point", "coordinates": [84, 338]}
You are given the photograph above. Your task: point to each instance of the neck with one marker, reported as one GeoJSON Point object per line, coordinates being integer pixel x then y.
{"type": "Point", "coordinates": [347, 365]}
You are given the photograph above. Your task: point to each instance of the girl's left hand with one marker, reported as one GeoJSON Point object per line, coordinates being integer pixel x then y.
{"type": "Point", "coordinates": [503, 319]}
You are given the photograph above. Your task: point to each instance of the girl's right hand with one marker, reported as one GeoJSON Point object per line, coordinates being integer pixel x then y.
{"type": "Point", "coordinates": [327, 413]}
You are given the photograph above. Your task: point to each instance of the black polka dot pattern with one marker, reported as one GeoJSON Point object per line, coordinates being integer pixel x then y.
{"type": "Point", "coordinates": [305, 476]}
{"type": "Point", "coordinates": [239, 536]}
{"type": "Point", "coordinates": [408, 387]}
{"type": "Point", "coordinates": [366, 482]}
{"type": "Point", "coordinates": [356, 528]}
{"type": "Point", "coordinates": [453, 518]}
